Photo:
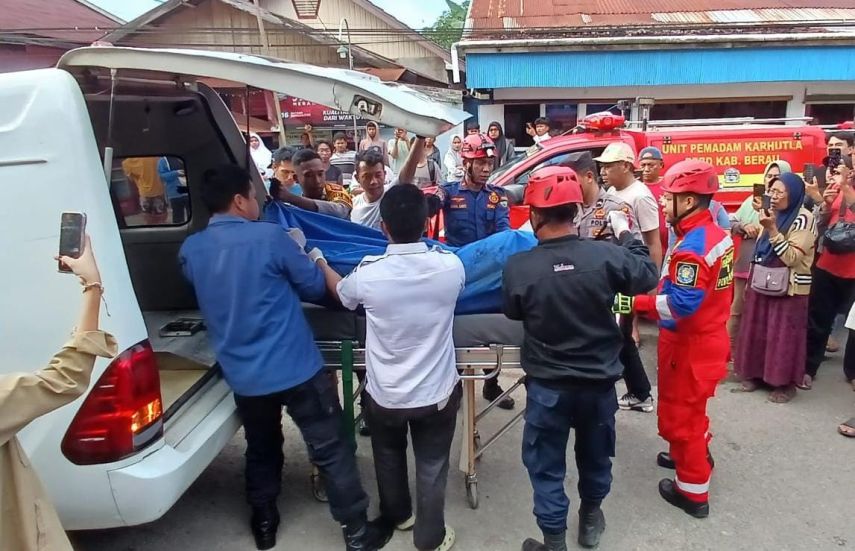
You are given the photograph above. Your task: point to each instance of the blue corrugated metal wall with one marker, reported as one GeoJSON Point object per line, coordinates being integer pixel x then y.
{"type": "Point", "coordinates": [659, 67]}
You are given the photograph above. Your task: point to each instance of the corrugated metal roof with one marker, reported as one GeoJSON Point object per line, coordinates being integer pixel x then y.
{"type": "Point", "coordinates": [39, 19]}
{"type": "Point", "coordinates": [587, 69]}
{"type": "Point", "coordinates": [758, 16]}
{"type": "Point", "coordinates": [492, 16]}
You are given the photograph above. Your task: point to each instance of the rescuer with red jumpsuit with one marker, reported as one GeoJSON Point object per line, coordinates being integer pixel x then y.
{"type": "Point", "coordinates": [692, 307]}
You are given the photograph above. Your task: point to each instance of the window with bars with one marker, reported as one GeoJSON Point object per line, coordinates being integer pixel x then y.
{"type": "Point", "coordinates": [306, 9]}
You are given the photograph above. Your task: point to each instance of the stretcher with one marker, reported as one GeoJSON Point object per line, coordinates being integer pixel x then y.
{"type": "Point", "coordinates": [482, 342]}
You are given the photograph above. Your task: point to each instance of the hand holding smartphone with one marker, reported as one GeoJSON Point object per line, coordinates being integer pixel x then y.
{"type": "Point", "coordinates": [72, 237]}
{"type": "Point", "coordinates": [835, 157]}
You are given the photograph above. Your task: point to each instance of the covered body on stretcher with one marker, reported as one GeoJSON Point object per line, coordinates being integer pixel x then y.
{"type": "Point", "coordinates": [476, 337]}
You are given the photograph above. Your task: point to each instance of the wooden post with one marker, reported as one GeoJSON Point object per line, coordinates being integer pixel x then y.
{"type": "Point", "coordinates": [266, 45]}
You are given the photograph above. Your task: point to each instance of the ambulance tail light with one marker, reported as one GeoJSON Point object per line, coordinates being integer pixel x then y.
{"type": "Point", "coordinates": [122, 414]}
{"type": "Point", "coordinates": [603, 122]}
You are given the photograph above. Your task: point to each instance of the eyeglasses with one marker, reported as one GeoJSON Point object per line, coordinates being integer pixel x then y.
{"type": "Point", "coordinates": [777, 193]}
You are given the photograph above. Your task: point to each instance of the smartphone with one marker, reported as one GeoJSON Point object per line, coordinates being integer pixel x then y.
{"type": "Point", "coordinates": [767, 203]}
{"type": "Point", "coordinates": [835, 157]}
{"type": "Point", "coordinates": [809, 173]}
{"type": "Point", "coordinates": [72, 231]}
{"type": "Point", "coordinates": [759, 190]}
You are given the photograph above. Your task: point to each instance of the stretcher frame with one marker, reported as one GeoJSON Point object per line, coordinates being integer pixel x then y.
{"type": "Point", "coordinates": [348, 357]}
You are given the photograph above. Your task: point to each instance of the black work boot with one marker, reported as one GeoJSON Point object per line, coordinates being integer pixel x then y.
{"type": "Point", "coordinates": [664, 459]}
{"type": "Point", "coordinates": [668, 490]}
{"type": "Point", "coordinates": [551, 542]}
{"type": "Point", "coordinates": [592, 524]}
{"type": "Point", "coordinates": [264, 524]}
{"type": "Point", "coordinates": [492, 390]}
{"type": "Point", "coordinates": [362, 535]}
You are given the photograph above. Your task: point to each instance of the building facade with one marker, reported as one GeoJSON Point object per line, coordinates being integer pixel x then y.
{"type": "Point", "coordinates": [564, 61]}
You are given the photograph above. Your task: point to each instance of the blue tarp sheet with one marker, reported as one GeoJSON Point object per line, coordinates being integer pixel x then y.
{"type": "Point", "coordinates": [345, 244]}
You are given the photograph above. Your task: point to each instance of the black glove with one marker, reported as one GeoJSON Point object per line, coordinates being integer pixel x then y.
{"type": "Point", "coordinates": [434, 205]}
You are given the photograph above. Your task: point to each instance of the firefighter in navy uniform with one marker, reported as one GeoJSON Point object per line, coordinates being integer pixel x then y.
{"type": "Point", "coordinates": [472, 210]}
{"type": "Point", "coordinates": [692, 307]}
{"type": "Point", "coordinates": [563, 291]}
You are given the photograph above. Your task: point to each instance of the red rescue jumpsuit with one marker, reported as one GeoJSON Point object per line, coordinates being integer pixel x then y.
{"type": "Point", "coordinates": [692, 306]}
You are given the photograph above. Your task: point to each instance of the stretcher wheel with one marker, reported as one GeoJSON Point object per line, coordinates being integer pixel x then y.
{"type": "Point", "coordinates": [472, 491]}
{"type": "Point", "coordinates": [319, 491]}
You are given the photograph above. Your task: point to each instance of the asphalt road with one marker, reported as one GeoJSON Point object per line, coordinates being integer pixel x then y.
{"type": "Point", "coordinates": [785, 480]}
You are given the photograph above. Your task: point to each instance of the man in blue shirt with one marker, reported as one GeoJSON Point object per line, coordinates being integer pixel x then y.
{"type": "Point", "coordinates": [472, 210]}
{"type": "Point", "coordinates": [250, 278]}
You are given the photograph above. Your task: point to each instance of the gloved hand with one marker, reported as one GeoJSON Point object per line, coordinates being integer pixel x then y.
{"type": "Point", "coordinates": [316, 254]}
{"type": "Point", "coordinates": [434, 205]}
{"type": "Point", "coordinates": [623, 304]}
{"type": "Point", "coordinates": [298, 236]}
{"type": "Point", "coordinates": [619, 223]}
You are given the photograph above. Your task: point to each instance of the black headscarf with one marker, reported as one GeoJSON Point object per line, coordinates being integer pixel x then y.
{"type": "Point", "coordinates": [502, 144]}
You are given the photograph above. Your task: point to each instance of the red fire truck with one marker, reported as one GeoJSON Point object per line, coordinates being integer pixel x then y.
{"type": "Point", "coordinates": [740, 149]}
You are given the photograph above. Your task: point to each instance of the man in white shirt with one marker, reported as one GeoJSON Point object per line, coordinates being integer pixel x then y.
{"type": "Point", "coordinates": [618, 166]}
{"type": "Point", "coordinates": [372, 178]}
{"type": "Point", "coordinates": [343, 159]}
{"type": "Point", "coordinates": [409, 295]}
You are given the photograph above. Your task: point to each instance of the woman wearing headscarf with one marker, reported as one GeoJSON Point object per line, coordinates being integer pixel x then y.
{"type": "Point", "coordinates": [504, 147]}
{"type": "Point", "coordinates": [771, 347]}
{"type": "Point", "coordinates": [452, 165]}
{"type": "Point", "coordinates": [745, 223]}
{"type": "Point", "coordinates": [261, 156]}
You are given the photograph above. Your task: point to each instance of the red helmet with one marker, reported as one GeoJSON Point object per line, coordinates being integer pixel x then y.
{"type": "Point", "coordinates": [691, 176]}
{"type": "Point", "coordinates": [478, 146]}
{"type": "Point", "coordinates": [553, 186]}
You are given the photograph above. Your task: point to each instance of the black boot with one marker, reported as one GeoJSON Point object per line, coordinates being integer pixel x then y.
{"type": "Point", "coordinates": [664, 459]}
{"type": "Point", "coordinates": [264, 524]}
{"type": "Point", "coordinates": [669, 492]}
{"type": "Point", "coordinates": [492, 390]}
{"type": "Point", "coordinates": [551, 542]}
{"type": "Point", "coordinates": [592, 524]}
{"type": "Point", "coordinates": [362, 535]}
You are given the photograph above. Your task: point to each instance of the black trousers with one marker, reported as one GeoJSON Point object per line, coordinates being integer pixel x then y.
{"type": "Point", "coordinates": [315, 409]}
{"type": "Point", "coordinates": [849, 356]}
{"type": "Point", "coordinates": [432, 431]}
{"type": "Point", "coordinates": [634, 375]}
{"type": "Point", "coordinates": [827, 293]}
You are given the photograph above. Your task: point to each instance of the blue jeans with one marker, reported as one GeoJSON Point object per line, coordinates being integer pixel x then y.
{"type": "Point", "coordinates": [315, 409]}
{"type": "Point", "coordinates": [551, 411]}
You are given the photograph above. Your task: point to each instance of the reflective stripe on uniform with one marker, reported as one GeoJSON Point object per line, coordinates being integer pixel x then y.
{"type": "Point", "coordinates": [692, 488]}
{"type": "Point", "coordinates": [718, 251]}
{"type": "Point", "coordinates": [663, 308]}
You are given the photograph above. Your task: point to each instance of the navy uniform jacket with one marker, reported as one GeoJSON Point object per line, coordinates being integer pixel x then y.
{"type": "Point", "coordinates": [472, 215]}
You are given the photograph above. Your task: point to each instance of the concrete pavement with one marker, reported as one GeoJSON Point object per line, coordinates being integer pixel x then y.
{"type": "Point", "coordinates": [785, 480]}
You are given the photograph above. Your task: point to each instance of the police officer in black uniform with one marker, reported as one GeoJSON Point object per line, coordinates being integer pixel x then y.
{"type": "Point", "coordinates": [563, 290]}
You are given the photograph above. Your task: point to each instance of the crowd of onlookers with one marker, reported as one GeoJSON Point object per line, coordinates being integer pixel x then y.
{"type": "Point", "coordinates": [789, 288]}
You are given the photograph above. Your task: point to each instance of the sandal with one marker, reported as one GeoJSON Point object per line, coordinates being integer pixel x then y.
{"type": "Point", "coordinates": [847, 429]}
{"type": "Point", "coordinates": [832, 347]}
{"type": "Point", "coordinates": [807, 383]}
{"type": "Point", "coordinates": [748, 385]}
{"type": "Point", "coordinates": [782, 395]}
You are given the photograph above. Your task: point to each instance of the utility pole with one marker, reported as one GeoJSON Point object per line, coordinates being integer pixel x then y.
{"type": "Point", "coordinates": [266, 45]}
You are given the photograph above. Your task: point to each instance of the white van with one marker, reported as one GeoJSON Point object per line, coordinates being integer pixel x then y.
{"type": "Point", "coordinates": [157, 414]}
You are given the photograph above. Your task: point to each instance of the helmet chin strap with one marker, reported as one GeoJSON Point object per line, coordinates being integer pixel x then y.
{"type": "Point", "coordinates": [535, 227]}
{"type": "Point", "coordinates": [679, 218]}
